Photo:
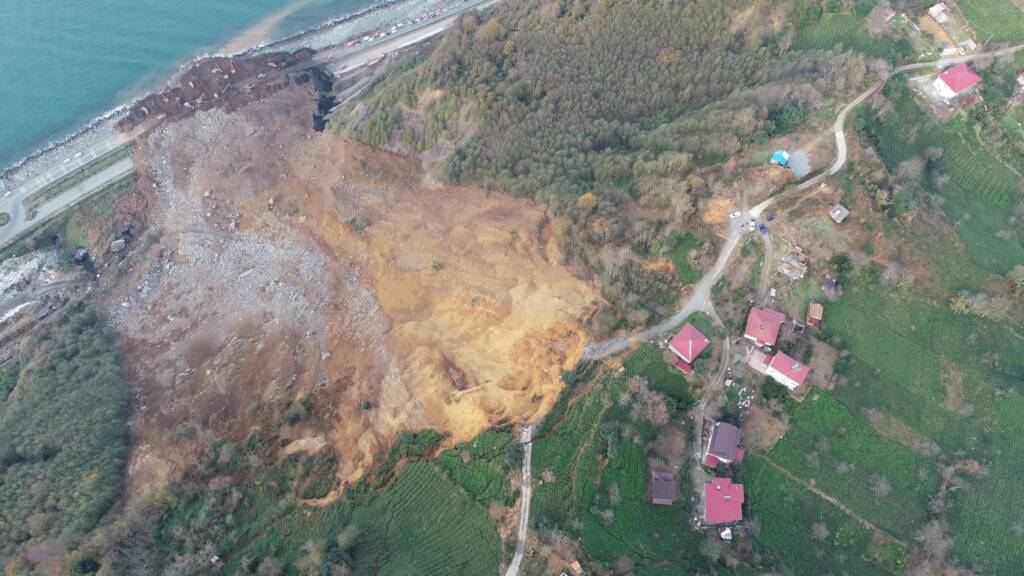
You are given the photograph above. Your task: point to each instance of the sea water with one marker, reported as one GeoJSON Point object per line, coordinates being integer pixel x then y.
{"type": "Point", "coordinates": [65, 62]}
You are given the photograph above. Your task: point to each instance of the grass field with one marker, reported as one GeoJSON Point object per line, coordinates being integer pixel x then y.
{"type": "Point", "coordinates": [981, 190]}
{"type": "Point", "coordinates": [646, 361]}
{"type": "Point", "coordinates": [785, 512]}
{"type": "Point", "coordinates": [905, 355]}
{"type": "Point", "coordinates": [994, 20]}
{"type": "Point", "coordinates": [680, 257]}
{"type": "Point", "coordinates": [847, 32]}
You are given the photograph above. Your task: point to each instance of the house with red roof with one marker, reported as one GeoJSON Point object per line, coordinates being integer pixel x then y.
{"type": "Point", "coordinates": [723, 501]}
{"type": "Point", "coordinates": [763, 326]}
{"type": "Point", "coordinates": [687, 345]}
{"type": "Point", "coordinates": [786, 371]}
{"type": "Point", "coordinates": [955, 81]}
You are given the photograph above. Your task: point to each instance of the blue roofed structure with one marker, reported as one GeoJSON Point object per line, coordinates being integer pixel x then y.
{"type": "Point", "coordinates": [780, 158]}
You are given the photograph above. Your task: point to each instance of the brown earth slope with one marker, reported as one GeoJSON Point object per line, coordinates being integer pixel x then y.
{"type": "Point", "coordinates": [294, 262]}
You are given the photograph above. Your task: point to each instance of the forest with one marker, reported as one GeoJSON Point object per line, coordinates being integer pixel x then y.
{"type": "Point", "coordinates": [63, 432]}
{"type": "Point", "coordinates": [617, 115]}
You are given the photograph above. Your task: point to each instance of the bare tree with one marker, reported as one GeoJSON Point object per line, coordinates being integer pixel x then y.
{"type": "Point", "coordinates": [819, 531]}
{"type": "Point", "coordinates": [880, 485]}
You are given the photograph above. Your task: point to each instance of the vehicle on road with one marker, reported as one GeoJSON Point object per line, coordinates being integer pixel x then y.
{"type": "Point", "coordinates": [752, 225]}
{"type": "Point", "coordinates": [735, 215]}
{"type": "Point", "coordinates": [762, 229]}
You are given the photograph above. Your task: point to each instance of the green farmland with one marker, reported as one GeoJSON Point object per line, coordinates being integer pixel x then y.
{"type": "Point", "coordinates": [847, 32]}
{"type": "Point", "coordinates": [787, 513]}
{"type": "Point", "coordinates": [955, 380]}
{"type": "Point", "coordinates": [994, 20]}
{"type": "Point", "coordinates": [597, 474]}
{"type": "Point", "coordinates": [978, 190]}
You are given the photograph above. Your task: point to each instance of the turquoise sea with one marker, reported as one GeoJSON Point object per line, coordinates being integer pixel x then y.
{"type": "Point", "coordinates": [65, 62]}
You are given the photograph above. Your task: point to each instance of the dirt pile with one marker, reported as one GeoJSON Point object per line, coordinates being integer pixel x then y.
{"type": "Point", "coordinates": [293, 262]}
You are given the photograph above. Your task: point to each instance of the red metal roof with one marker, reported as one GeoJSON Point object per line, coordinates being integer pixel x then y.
{"type": "Point", "coordinates": [789, 367]}
{"type": "Point", "coordinates": [710, 461]}
{"type": "Point", "coordinates": [739, 455]}
{"type": "Point", "coordinates": [959, 78]}
{"type": "Point", "coordinates": [688, 343]}
{"type": "Point", "coordinates": [683, 365]}
{"type": "Point", "coordinates": [763, 326]}
{"type": "Point", "coordinates": [723, 501]}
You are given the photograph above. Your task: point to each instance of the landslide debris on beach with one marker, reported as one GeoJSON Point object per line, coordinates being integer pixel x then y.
{"type": "Point", "coordinates": [292, 262]}
{"type": "Point", "coordinates": [227, 83]}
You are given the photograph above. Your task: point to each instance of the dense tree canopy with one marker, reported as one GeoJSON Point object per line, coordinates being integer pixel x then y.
{"type": "Point", "coordinates": [63, 432]}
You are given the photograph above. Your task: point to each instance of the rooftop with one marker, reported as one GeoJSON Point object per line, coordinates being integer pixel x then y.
{"type": "Point", "coordinates": [763, 325]}
{"type": "Point", "coordinates": [723, 501]}
{"type": "Point", "coordinates": [789, 367]}
{"type": "Point", "coordinates": [959, 78]}
{"type": "Point", "coordinates": [724, 439]}
{"type": "Point", "coordinates": [688, 343]}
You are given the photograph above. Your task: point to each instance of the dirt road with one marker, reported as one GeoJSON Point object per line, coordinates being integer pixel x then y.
{"type": "Point", "coordinates": [524, 504]}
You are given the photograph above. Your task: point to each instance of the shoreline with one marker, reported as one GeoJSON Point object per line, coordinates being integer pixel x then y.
{"type": "Point", "coordinates": [102, 126]}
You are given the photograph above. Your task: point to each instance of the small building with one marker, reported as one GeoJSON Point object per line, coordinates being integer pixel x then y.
{"type": "Point", "coordinates": [763, 326]}
{"type": "Point", "coordinates": [687, 345]}
{"type": "Point", "coordinates": [1020, 79]}
{"type": "Point", "coordinates": [576, 568]}
{"type": "Point", "coordinates": [815, 311]}
{"type": "Point", "coordinates": [955, 81]}
{"type": "Point", "coordinates": [838, 213]}
{"type": "Point", "coordinates": [786, 370]}
{"type": "Point", "coordinates": [939, 12]}
{"type": "Point", "coordinates": [663, 488]}
{"type": "Point", "coordinates": [723, 445]}
{"type": "Point", "coordinates": [888, 14]}
{"type": "Point", "coordinates": [723, 501]}
{"type": "Point", "coordinates": [780, 158]}
{"type": "Point", "coordinates": [792, 267]}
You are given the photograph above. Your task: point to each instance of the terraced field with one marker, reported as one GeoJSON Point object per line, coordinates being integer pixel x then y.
{"type": "Point", "coordinates": [424, 526]}
{"type": "Point", "coordinates": [806, 533]}
{"type": "Point", "coordinates": [978, 190]}
{"type": "Point", "coordinates": [597, 473]}
{"type": "Point", "coordinates": [970, 405]}
{"type": "Point", "coordinates": [994, 20]}
{"type": "Point", "coordinates": [847, 32]}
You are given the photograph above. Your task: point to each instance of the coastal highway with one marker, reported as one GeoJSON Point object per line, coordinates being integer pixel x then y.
{"type": "Point", "coordinates": [336, 59]}
{"type": "Point", "coordinates": [20, 223]}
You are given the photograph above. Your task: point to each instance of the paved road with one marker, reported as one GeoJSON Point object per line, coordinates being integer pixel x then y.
{"type": "Point", "coordinates": [20, 223]}
{"type": "Point", "coordinates": [699, 301]}
{"type": "Point", "coordinates": [524, 503]}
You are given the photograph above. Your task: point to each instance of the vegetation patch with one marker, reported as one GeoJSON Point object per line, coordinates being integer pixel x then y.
{"type": "Point", "coordinates": [884, 482]}
{"type": "Point", "coordinates": [5, 218]}
{"type": "Point", "coordinates": [680, 257]}
{"type": "Point", "coordinates": [849, 32]}
{"type": "Point", "coordinates": [804, 532]}
{"type": "Point", "coordinates": [63, 432]}
{"type": "Point", "coordinates": [479, 466]}
{"type": "Point", "coordinates": [994, 20]}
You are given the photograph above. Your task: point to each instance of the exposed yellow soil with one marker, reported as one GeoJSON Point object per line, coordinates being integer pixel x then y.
{"type": "Point", "coordinates": [339, 269]}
